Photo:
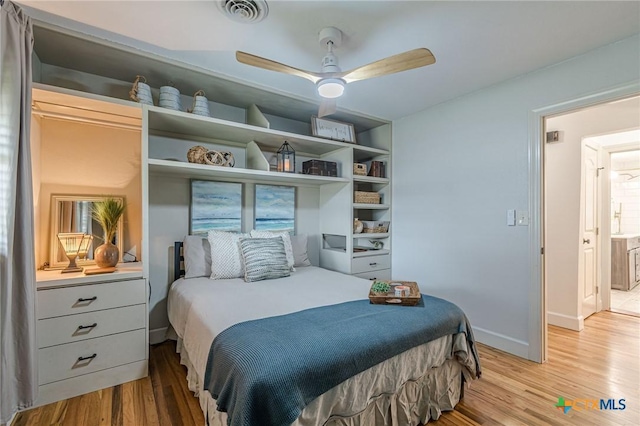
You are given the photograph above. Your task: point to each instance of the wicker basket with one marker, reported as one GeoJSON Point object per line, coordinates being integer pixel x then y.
{"type": "Point", "coordinates": [359, 169]}
{"type": "Point", "coordinates": [375, 226]}
{"type": "Point", "coordinates": [366, 197]}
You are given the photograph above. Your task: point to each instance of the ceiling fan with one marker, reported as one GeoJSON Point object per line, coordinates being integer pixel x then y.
{"type": "Point", "coordinates": [331, 81]}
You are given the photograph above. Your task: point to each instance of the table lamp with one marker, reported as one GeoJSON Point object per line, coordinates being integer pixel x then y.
{"type": "Point", "coordinates": [72, 242]}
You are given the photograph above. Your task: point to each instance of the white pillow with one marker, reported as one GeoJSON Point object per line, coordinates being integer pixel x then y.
{"type": "Point", "coordinates": [197, 256]}
{"type": "Point", "coordinates": [299, 245]}
{"type": "Point", "coordinates": [285, 237]}
{"type": "Point", "coordinates": [226, 260]}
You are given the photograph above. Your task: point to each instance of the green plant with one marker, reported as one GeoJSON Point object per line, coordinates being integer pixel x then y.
{"type": "Point", "coordinates": [380, 287]}
{"type": "Point", "coordinates": [108, 212]}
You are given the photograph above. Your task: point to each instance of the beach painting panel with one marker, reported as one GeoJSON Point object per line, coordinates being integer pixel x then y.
{"type": "Point", "coordinates": [275, 208]}
{"type": "Point", "coordinates": [215, 206]}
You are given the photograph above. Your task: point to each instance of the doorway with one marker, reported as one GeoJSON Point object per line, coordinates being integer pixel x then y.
{"type": "Point", "coordinates": [577, 212]}
{"type": "Point", "coordinates": [575, 225]}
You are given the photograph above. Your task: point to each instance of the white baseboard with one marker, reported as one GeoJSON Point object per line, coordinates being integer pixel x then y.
{"type": "Point", "coordinates": [502, 342]}
{"type": "Point", "coordinates": [565, 321]}
{"type": "Point", "coordinates": [157, 335]}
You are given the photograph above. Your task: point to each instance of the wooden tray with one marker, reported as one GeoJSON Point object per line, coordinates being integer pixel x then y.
{"type": "Point", "coordinates": [390, 298]}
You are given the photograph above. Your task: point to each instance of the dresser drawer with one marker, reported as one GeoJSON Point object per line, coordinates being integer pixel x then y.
{"type": "Point", "coordinates": [65, 361]}
{"type": "Point", "coordinates": [383, 274]}
{"type": "Point", "coordinates": [57, 302]}
{"type": "Point", "coordinates": [370, 263]}
{"type": "Point", "coordinates": [73, 328]}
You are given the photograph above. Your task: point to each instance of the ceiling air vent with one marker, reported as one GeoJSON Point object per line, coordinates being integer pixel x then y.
{"type": "Point", "coordinates": [245, 11]}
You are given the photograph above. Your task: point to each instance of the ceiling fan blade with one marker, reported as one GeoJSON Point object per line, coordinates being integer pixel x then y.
{"type": "Point", "coordinates": [257, 61]}
{"type": "Point", "coordinates": [415, 58]}
{"type": "Point", "coordinates": [327, 107]}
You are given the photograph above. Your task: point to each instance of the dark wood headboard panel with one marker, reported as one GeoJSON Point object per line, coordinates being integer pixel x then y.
{"type": "Point", "coordinates": [178, 260]}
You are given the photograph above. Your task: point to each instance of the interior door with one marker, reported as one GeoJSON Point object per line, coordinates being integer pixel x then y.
{"type": "Point", "coordinates": [589, 222]}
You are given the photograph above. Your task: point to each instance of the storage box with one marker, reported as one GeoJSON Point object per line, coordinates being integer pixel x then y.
{"type": "Point", "coordinates": [375, 226]}
{"type": "Point", "coordinates": [366, 197]}
{"type": "Point", "coordinates": [359, 169]}
{"type": "Point", "coordinates": [320, 168]}
{"type": "Point", "coordinates": [377, 169]}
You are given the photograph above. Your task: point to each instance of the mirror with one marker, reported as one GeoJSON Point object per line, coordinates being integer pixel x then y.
{"type": "Point", "coordinates": [72, 213]}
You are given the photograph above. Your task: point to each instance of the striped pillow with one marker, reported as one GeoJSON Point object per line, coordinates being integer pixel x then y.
{"type": "Point", "coordinates": [264, 259]}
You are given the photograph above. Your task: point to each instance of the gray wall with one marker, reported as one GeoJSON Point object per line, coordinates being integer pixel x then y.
{"type": "Point", "coordinates": [459, 166]}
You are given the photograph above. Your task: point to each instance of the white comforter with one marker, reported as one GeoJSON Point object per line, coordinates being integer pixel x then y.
{"type": "Point", "coordinates": [200, 308]}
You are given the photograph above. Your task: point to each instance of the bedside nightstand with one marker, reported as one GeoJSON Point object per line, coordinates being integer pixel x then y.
{"type": "Point", "coordinates": [92, 331]}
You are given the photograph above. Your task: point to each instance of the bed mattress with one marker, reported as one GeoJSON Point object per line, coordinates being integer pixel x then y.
{"type": "Point", "coordinates": [200, 308]}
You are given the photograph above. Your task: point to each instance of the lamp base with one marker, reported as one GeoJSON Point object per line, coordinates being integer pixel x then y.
{"type": "Point", "coordinates": [71, 269]}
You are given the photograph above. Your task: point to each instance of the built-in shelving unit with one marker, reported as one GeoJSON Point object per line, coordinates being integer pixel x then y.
{"type": "Point", "coordinates": [203, 171]}
{"type": "Point", "coordinates": [158, 196]}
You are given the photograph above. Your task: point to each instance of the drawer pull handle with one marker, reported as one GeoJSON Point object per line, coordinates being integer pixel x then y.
{"type": "Point", "coordinates": [373, 263]}
{"type": "Point", "coordinates": [90, 299]}
{"type": "Point", "coordinates": [83, 327]}
{"type": "Point", "coordinates": [87, 358]}
{"type": "Point", "coordinates": [372, 279]}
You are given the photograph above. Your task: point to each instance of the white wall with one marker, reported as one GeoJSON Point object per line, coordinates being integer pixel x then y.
{"type": "Point", "coordinates": [458, 167]}
{"type": "Point", "coordinates": [563, 238]}
{"type": "Point", "coordinates": [86, 159]}
{"type": "Point", "coordinates": [626, 191]}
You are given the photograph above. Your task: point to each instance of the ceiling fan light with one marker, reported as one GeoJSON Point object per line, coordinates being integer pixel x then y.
{"type": "Point", "coordinates": [331, 88]}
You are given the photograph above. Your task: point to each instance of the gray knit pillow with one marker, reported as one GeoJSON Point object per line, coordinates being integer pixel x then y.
{"type": "Point", "coordinates": [264, 259]}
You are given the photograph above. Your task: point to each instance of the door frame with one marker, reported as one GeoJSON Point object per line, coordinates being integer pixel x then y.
{"type": "Point", "coordinates": [538, 289]}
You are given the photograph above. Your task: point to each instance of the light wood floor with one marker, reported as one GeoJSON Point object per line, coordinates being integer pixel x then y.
{"type": "Point", "coordinates": [603, 361]}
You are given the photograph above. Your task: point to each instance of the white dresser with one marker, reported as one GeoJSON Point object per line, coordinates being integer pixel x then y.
{"type": "Point", "coordinates": [92, 331]}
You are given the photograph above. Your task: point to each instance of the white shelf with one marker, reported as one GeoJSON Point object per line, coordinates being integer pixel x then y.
{"type": "Point", "coordinates": [191, 170]}
{"type": "Point", "coordinates": [166, 121]}
{"type": "Point", "coordinates": [371, 235]}
{"type": "Point", "coordinates": [371, 252]}
{"type": "Point", "coordinates": [362, 206]}
{"type": "Point", "coordinates": [370, 179]}
{"type": "Point", "coordinates": [363, 153]}
{"type": "Point", "coordinates": [55, 278]}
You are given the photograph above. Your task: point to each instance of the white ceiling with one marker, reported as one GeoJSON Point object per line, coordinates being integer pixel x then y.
{"type": "Point", "coordinates": [476, 43]}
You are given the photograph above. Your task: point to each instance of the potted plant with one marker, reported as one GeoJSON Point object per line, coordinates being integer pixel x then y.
{"type": "Point", "coordinates": [380, 288]}
{"type": "Point", "coordinates": [107, 212]}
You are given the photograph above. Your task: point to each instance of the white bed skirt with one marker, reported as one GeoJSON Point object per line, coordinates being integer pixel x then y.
{"type": "Point", "coordinates": [417, 400]}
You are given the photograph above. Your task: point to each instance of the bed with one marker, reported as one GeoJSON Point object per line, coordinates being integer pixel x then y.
{"type": "Point", "coordinates": [406, 389]}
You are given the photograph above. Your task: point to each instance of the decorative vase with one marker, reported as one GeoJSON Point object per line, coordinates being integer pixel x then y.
{"type": "Point", "coordinates": [106, 255]}
{"type": "Point", "coordinates": [358, 226]}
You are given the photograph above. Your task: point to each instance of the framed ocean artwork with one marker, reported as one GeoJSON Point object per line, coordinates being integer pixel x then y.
{"type": "Point", "coordinates": [275, 208]}
{"type": "Point", "coordinates": [215, 206]}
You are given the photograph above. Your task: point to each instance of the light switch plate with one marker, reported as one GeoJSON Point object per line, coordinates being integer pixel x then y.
{"type": "Point", "coordinates": [511, 217]}
{"type": "Point", "coordinates": [522, 217]}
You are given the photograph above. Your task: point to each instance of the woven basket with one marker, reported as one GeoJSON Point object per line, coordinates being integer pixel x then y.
{"type": "Point", "coordinates": [366, 197]}
{"type": "Point", "coordinates": [359, 169]}
{"type": "Point", "coordinates": [375, 226]}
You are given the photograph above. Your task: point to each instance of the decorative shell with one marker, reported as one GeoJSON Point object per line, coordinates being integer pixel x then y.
{"type": "Point", "coordinates": [201, 155]}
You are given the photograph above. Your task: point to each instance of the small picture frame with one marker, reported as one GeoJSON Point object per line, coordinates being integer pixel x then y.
{"type": "Point", "coordinates": [334, 130]}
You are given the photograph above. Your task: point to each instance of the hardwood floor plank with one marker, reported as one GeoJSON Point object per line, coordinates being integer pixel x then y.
{"type": "Point", "coordinates": [116, 406]}
{"type": "Point", "coordinates": [602, 361]}
{"type": "Point", "coordinates": [106, 404]}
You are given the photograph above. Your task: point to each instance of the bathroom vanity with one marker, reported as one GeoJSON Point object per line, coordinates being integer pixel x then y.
{"type": "Point", "coordinates": [625, 261]}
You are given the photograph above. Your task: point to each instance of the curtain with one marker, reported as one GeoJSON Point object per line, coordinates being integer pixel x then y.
{"type": "Point", "coordinates": [18, 349]}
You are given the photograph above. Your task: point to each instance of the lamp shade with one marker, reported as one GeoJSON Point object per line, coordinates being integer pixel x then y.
{"type": "Point", "coordinates": [286, 158]}
{"type": "Point", "coordinates": [71, 243]}
{"type": "Point", "coordinates": [331, 88]}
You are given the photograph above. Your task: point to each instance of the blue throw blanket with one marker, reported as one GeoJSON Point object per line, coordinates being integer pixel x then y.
{"type": "Point", "coordinates": [264, 372]}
